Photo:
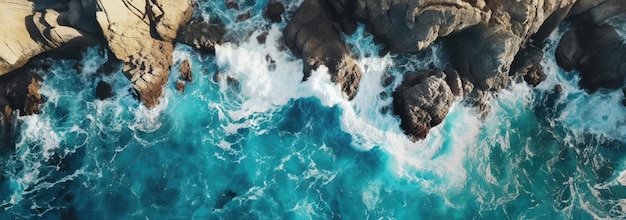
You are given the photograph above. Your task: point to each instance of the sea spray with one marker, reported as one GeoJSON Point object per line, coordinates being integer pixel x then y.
{"type": "Point", "coordinates": [266, 145]}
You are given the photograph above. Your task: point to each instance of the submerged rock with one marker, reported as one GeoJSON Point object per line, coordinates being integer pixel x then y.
{"type": "Point", "coordinates": [422, 101]}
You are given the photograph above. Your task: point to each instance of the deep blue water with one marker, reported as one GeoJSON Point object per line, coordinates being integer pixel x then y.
{"type": "Point", "coordinates": [270, 146]}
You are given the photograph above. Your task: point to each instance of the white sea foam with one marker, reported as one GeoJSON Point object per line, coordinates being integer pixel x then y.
{"type": "Point", "coordinates": [264, 89]}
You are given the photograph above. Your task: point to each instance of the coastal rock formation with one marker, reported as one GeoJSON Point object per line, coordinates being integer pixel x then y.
{"type": "Point", "coordinates": [594, 48]}
{"type": "Point", "coordinates": [139, 32]}
{"type": "Point", "coordinates": [422, 101]}
{"type": "Point", "coordinates": [201, 35]}
{"type": "Point", "coordinates": [312, 35]}
{"type": "Point", "coordinates": [273, 11]}
{"type": "Point", "coordinates": [20, 92]}
{"type": "Point", "coordinates": [103, 90]}
{"type": "Point", "coordinates": [25, 33]}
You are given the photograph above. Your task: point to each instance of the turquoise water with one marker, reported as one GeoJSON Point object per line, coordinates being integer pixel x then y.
{"type": "Point", "coordinates": [270, 146]}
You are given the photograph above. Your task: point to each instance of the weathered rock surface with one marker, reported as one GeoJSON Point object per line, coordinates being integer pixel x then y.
{"type": "Point", "coordinates": [139, 33]}
{"type": "Point", "coordinates": [594, 48]}
{"type": "Point", "coordinates": [312, 35]}
{"type": "Point", "coordinates": [20, 92]}
{"type": "Point", "coordinates": [201, 35]}
{"type": "Point", "coordinates": [25, 33]}
{"type": "Point", "coordinates": [422, 101]}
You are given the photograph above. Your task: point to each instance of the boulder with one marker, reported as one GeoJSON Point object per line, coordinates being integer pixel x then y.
{"type": "Point", "coordinates": [311, 34]}
{"type": "Point", "coordinates": [594, 48]}
{"type": "Point", "coordinates": [180, 86]}
{"type": "Point", "coordinates": [139, 33]}
{"type": "Point", "coordinates": [201, 35]}
{"type": "Point", "coordinates": [103, 90]}
{"type": "Point", "coordinates": [422, 101]}
{"type": "Point", "coordinates": [558, 88]}
{"type": "Point", "coordinates": [569, 51]}
{"type": "Point", "coordinates": [273, 11]}
{"type": "Point", "coordinates": [185, 71]}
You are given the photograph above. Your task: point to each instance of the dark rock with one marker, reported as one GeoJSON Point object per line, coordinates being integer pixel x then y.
{"type": "Point", "coordinates": [550, 24]}
{"type": "Point", "coordinates": [273, 11]}
{"type": "Point", "coordinates": [624, 102]}
{"type": "Point", "coordinates": [454, 82]}
{"type": "Point", "coordinates": [271, 62]}
{"type": "Point", "coordinates": [312, 35]}
{"type": "Point", "coordinates": [596, 51]}
{"type": "Point", "coordinates": [19, 92]}
{"type": "Point", "coordinates": [103, 90]}
{"type": "Point", "coordinates": [604, 66]}
{"type": "Point", "coordinates": [558, 88]}
{"type": "Point", "coordinates": [244, 16]}
{"type": "Point", "coordinates": [82, 16]}
{"type": "Point", "coordinates": [262, 37]}
{"type": "Point", "coordinates": [231, 4]}
{"type": "Point", "coordinates": [569, 51]}
{"type": "Point", "coordinates": [484, 55]}
{"type": "Point", "coordinates": [422, 101]}
{"type": "Point", "coordinates": [526, 59]}
{"type": "Point", "coordinates": [180, 86]}
{"type": "Point", "coordinates": [185, 71]}
{"type": "Point", "coordinates": [388, 80]}
{"type": "Point", "coordinates": [535, 75]}
{"type": "Point", "coordinates": [201, 35]}
{"type": "Point", "coordinates": [410, 26]}
{"type": "Point", "coordinates": [78, 67]}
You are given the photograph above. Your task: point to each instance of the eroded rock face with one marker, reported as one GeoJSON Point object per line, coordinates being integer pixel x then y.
{"type": "Point", "coordinates": [185, 71]}
{"type": "Point", "coordinates": [25, 33]}
{"type": "Point", "coordinates": [311, 34]}
{"type": "Point", "coordinates": [201, 35]}
{"type": "Point", "coordinates": [422, 101]}
{"type": "Point", "coordinates": [139, 33]}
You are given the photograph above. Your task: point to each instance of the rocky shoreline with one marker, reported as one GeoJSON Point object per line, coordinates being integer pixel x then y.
{"type": "Point", "coordinates": [490, 44]}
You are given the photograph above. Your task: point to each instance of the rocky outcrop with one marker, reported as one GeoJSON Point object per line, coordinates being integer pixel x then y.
{"type": "Point", "coordinates": [274, 11]}
{"type": "Point", "coordinates": [20, 91]}
{"type": "Point", "coordinates": [422, 101]}
{"type": "Point", "coordinates": [311, 34]}
{"type": "Point", "coordinates": [201, 35]}
{"type": "Point", "coordinates": [140, 34]}
{"type": "Point", "coordinates": [593, 47]}
{"type": "Point", "coordinates": [185, 71]}
{"type": "Point", "coordinates": [491, 42]}
{"type": "Point", "coordinates": [25, 33]}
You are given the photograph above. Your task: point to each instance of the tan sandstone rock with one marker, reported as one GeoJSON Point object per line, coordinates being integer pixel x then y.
{"type": "Point", "coordinates": [139, 32]}
{"type": "Point", "coordinates": [25, 33]}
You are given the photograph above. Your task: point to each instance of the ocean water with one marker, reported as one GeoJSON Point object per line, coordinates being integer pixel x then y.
{"type": "Point", "coordinates": [257, 143]}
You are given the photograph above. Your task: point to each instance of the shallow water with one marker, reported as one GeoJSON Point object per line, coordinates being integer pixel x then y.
{"type": "Point", "coordinates": [271, 146]}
